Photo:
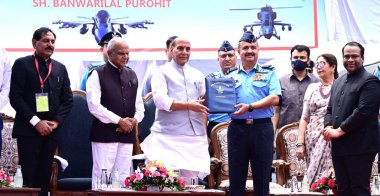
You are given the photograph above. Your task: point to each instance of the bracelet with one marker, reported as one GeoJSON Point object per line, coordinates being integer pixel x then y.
{"type": "Point", "coordinates": [300, 144]}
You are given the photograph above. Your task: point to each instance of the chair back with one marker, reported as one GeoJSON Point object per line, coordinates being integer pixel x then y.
{"type": "Point", "coordinates": [74, 139]}
{"type": "Point", "coordinates": [9, 153]}
{"type": "Point", "coordinates": [288, 137]}
{"type": "Point", "coordinates": [220, 147]}
{"type": "Point", "coordinates": [149, 116]}
{"type": "Point", "coordinates": [375, 166]}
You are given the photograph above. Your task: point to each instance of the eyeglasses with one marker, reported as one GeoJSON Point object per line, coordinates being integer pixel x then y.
{"type": "Point", "coordinates": [320, 65]}
{"type": "Point", "coordinates": [223, 56]}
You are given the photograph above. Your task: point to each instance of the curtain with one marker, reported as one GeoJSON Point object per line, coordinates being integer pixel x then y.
{"type": "Point", "coordinates": [352, 20]}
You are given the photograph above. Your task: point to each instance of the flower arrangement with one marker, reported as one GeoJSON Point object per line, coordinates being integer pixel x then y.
{"type": "Point", "coordinates": [325, 183]}
{"type": "Point", "coordinates": [154, 174]}
{"type": "Point", "coordinates": [5, 181]}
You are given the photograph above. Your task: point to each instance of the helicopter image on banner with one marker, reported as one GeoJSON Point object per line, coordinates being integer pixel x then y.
{"type": "Point", "coordinates": [102, 24]}
{"type": "Point", "coordinates": [267, 21]}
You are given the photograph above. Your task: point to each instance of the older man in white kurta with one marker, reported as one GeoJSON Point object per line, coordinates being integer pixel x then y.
{"type": "Point", "coordinates": [178, 135]}
{"type": "Point", "coordinates": [117, 107]}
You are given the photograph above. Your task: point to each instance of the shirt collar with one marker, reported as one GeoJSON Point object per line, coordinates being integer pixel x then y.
{"type": "Point", "coordinates": [292, 75]}
{"type": "Point", "coordinates": [256, 67]}
{"type": "Point", "coordinates": [356, 73]}
{"type": "Point", "coordinates": [222, 73]}
{"type": "Point", "coordinates": [176, 65]}
{"type": "Point", "coordinates": [40, 59]}
{"type": "Point", "coordinates": [113, 65]}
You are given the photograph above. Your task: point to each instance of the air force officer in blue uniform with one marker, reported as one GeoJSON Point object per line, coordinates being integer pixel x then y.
{"type": "Point", "coordinates": [250, 134]}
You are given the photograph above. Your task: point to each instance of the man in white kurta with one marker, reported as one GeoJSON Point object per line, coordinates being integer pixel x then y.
{"type": "Point", "coordinates": [178, 136]}
{"type": "Point", "coordinates": [117, 107]}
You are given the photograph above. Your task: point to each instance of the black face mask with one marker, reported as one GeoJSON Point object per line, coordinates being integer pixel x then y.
{"type": "Point", "coordinates": [299, 65]}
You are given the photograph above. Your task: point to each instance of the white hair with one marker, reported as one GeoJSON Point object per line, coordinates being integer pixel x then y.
{"type": "Point", "coordinates": [113, 42]}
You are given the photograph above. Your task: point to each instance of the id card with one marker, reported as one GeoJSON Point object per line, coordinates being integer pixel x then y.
{"type": "Point", "coordinates": [42, 102]}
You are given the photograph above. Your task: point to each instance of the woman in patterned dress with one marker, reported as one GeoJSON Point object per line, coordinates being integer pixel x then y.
{"type": "Point", "coordinates": [311, 143]}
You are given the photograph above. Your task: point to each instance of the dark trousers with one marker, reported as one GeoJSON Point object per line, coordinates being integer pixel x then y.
{"type": "Point", "coordinates": [353, 173]}
{"type": "Point", "coordinates": [250, 143]}
{"type": "Point", "coordinates": [36, 156]}
{"type": "Point", "coordinates": [210, 125]}
{"type": "Point", "coordinates": [378, 156]}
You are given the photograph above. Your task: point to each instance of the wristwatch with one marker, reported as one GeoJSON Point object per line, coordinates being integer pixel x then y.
{"type": "Point", "coordinates": [300, 144]}
{"type": "Point", "coordinates": [250, 108]}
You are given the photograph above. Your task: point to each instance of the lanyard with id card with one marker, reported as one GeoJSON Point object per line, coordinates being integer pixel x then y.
{"type": "Point", "coordinates": [42, 102]}
{"type": "Point", "coordinates": [42, 99]}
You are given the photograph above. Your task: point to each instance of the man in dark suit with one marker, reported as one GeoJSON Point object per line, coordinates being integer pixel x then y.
{"type": "Point", "coordinates": [41, 95]}
{"type": "Point", "coordinates": [351, 123]}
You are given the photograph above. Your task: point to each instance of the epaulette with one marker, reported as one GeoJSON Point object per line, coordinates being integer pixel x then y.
{"type": "Point", "coordinates": [378, 67]}
{"type": "Point", "coordinates": [271, 67]}
{"type": "Point", "coordinates": [212, 75]}
{"type": "Point", "coordinates": [93, 66]}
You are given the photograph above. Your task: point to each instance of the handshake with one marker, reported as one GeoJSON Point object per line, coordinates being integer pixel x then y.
{"type": "Point", "coordinates": [126, 125]}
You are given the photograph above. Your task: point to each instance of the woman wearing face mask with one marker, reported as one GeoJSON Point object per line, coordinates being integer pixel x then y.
{"type": "Point", "coordinates": [310, 140]}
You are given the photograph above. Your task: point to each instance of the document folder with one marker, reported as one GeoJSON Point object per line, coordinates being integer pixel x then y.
{"type": "Point", "coordinates": [220, 95]}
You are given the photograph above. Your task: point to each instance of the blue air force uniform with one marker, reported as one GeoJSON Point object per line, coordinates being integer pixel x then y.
{"type": "Point", "coordinates": [92, 66]}
{"type": "Point", "coordinates": [214, 119]}
{"type": "Point", "coordinates": [250, 135]}
{"type": "Point", "coordinates": [254, 86]}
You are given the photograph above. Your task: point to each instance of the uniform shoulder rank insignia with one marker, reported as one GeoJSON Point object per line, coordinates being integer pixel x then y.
{"type": "Point", "coordinates": [211, 75]}
{"type": "Point", "coordinates": [93, 66]}
{"type": "Point", "coordinates": [271, 67]}
{"type": "Point", "coordinates": [90, 67]}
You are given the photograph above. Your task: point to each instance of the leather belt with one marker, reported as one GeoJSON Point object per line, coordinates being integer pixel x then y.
{"type": "Point", "coordinates": [252, 121]}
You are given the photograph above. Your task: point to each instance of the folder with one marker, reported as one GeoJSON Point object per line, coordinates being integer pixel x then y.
{"type": "Point", "coordinates": [220, 95]}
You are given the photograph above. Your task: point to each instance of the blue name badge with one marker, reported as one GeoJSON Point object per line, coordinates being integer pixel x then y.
{"type": "Point", "coordinates": [42, 102]}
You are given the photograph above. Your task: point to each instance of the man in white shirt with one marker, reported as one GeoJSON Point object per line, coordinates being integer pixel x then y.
{"type": "Point", "coordinates": [178, 136]}
{"type": "Point", "coordinates": [5, 75]}
{"type": "Point", "coordinates": [117, 107]}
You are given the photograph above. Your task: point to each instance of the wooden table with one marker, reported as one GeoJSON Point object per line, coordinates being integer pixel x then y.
{"type": "Point", "coordinates": [19, 191]}
{"type": "Point", "coordinates": [148, 193]}
{"type": "Point", "coordinates": [300, 194]}
{"type": "Point", "coordinates": [250, 193]}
